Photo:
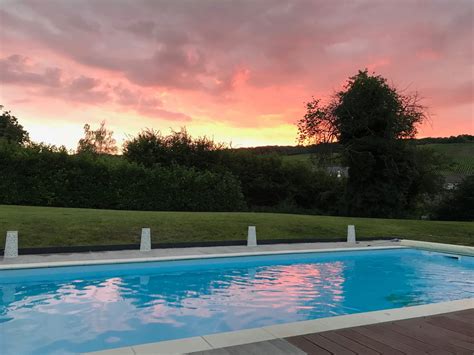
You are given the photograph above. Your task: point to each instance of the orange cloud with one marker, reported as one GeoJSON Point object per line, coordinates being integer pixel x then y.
{"type": "Point", "coordinates": [237, 72]}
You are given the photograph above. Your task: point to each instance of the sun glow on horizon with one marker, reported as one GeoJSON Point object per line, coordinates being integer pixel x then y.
{"type": "Point", "coordinates": [241, 78]}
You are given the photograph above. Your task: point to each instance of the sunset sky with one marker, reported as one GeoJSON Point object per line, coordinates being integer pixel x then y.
{"type": "Point", "coordinates": [238, 71]}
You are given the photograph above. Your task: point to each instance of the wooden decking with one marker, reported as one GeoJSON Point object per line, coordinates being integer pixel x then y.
{"type": "Point", "coordinates": [449, 333]}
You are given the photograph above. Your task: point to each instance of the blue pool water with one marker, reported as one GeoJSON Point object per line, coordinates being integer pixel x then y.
{"type": "Point", "coordinates": [80, 309]}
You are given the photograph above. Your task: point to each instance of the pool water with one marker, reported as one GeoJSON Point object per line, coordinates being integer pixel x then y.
{"type": "Point", "coordinates": [89, 308]}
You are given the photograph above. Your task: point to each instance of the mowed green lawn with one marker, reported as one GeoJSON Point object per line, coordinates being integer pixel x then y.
{"type": "Point", "coordinates": [45, 226]}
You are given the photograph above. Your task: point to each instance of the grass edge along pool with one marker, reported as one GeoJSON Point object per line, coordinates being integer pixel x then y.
{"type": "Point", "coordinates": [88, 308]}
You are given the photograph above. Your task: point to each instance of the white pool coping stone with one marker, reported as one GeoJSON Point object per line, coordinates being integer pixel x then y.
{"type": "Point", "coordinates": [187, 257]}
{"type": "Point", "coordinates": [258, 250]}
{"type": "Point", "coordinates": [439, 247]}
{"type": "Point", "coordinates": [279, 331]}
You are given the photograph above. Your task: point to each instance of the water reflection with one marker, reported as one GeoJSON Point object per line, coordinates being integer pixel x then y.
{"type": "Point", "coordinates": [225, 300]}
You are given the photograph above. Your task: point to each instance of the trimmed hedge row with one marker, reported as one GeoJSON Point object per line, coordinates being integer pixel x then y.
{"type": "Point", "coordinates": [45, 176]}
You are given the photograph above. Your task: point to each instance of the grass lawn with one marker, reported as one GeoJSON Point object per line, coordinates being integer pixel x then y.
{"type": "Point", "coordinates": [46, 226]}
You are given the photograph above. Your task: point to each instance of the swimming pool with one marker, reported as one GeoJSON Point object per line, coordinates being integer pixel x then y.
{"type": "Point", "coordinates": [90, 308]}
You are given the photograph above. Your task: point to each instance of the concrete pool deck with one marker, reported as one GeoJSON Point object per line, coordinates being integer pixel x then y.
{"type": "Point", "coordinates": [163, 254]}
{"type": "Point", "coordinates": [122, 256]}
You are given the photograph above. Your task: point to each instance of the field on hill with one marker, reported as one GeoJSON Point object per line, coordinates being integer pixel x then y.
{"type": "Point", "coordinates": [47, 226]}
{"type": "Point", "coordinates": [304, 158]}
{"type": "Point", "coordinates": [461, 155]}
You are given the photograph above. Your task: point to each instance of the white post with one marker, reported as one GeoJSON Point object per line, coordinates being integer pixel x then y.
{"type": "Point", "coordinates": [252, 237]}
{"type": "Point", "coordinates": [11, 245]}
{"type": "Point", "coordinates": [145, 241]}
{"type": "Point", "coordinates": [351, 234]}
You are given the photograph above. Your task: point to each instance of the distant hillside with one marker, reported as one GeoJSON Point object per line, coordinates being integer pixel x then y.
{"type": "Point", "coordinates": [463, 138]}
{"type": "Point", "coordinates": [290, 149]}
{"type": "Point", "coordinates": [297, 149]}
{"type": "Point", "coordinates": [460, 154]}
{"type": "Point", "coordinates": [458, 150]}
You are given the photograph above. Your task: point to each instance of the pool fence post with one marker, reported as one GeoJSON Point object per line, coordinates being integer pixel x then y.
{"type": "Point", "coordinates": [11, 245]}
{"type": "Point", "coordinates": [145, 241]}
{"type": "Point", "coordinates": [351, 234]}
{"type": "Point", "coordinates": [252, 237]}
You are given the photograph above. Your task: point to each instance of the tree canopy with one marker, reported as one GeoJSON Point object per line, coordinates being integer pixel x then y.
{"type": "Point", "coordinates": [99, 141]}
{"type": "Point", "coordinates": [151, 147]}
{"type": "Point", "coordinates": [372, 120]}
{"type": "Point", "coordinates": [367, 107]}
{"type": "Point", "coordinates": [11, 130]}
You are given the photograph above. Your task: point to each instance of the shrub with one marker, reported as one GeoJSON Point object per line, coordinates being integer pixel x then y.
{"type": "Point", "coordinates": [459, 205]}
{"type": "Point", "coordinates": [48, 176]}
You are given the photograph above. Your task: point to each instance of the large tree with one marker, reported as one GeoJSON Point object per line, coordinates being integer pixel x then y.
{"type": "Point", "coordinates": [10, 130]}
{"type": "Point", "coordinates": [99, 141]}
{"type": "Point", "coordinates": [372, 120]}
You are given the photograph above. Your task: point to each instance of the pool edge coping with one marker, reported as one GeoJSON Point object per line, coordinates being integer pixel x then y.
{"type": "Point", "coordinates": [189, 257]}
{"type": "Point", "coordinates": [285, 330]}
{"type": "Point", "coordinates": [440, 247]}
{"type": "Point", "coordinates": [404, 243]}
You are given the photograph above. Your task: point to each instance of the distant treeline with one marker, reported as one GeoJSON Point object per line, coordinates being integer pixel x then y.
{"type": "Point", "coordinates": [463, 138]}
{"type": "Point", "coordinates": [336, 147]}
{"type": "Point", "coordinates": [292, 150]}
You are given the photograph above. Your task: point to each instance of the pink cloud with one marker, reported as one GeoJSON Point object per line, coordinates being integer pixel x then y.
{"type": "Point", "coordinates": [52, 82]}
{"type": "Point", "coordinates": [238, 64]}
{"type": "Point", "coordinates": [461, 94]}
{"type": "Point", "coordinates": [17, 69]}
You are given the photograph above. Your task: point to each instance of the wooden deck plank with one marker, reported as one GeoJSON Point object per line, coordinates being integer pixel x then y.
{"type": "Point", "coordinates": [440, 352]}
{"type": "Point", "coordinates": [348, 343]}
{"type": "Point", "coordinates": [273, 347]}
{"type": "Point", "coordinates": [465, 316]}
{"type": "Point", "coordinates": [460, 317]}
{"type": "Point", "coordinates": [453, 325]}
{"type": "Point", "coordinates": [436, 339]}
{"type": "Point", "coordinates": [467, 313]}
{"type": "Point", "coordinates": [329, 345]}
{"type": "Point", "coordinates": [368, 342]}
{"type": "Point", "coordinates": [387, 330]}
{"type": "Point", "coordinates": [388, 339]}
{"type": "Point", "coordinates": [435, 329]}
{"type": "Point", "coordinates": [259, 348]}
{"type": "Point", "coordinates": [443, 334]}
{"type": "Point", "coordinates": [307, 346]}
{"type": "Point", "coordinates": [285, 347]}
{"type": "Point", "coordinates": [222, 351]}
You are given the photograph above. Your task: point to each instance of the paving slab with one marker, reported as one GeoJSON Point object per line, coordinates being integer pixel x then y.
{"type": "Point", "coordinates": [194, 251]}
